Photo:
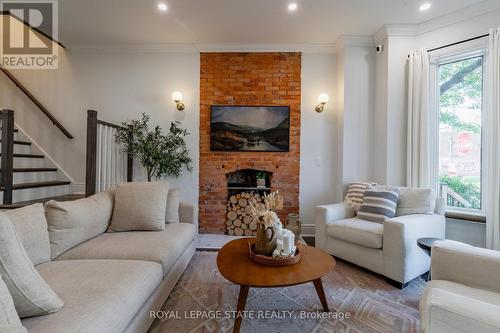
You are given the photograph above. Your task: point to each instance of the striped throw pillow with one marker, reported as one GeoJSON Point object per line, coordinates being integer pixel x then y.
{"type": "Point", "coordinates": [378, 206]}
{"type": "Point", "coordinates": [354, 195]}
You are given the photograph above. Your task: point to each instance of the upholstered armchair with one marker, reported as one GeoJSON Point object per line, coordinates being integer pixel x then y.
{"type": "Point", "coordinates": [464, 294]}
{"type": "Point", "coordinates": [388, 248]}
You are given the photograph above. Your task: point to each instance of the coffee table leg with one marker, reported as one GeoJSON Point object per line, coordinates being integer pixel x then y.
{"type": "Point", "coordinates": [321, 293]}
{"type": "Point", "coordinates": [242, 300]}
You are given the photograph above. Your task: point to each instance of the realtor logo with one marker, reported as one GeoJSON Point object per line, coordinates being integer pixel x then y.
{"type": "Point", "coordinates": [29, 29]}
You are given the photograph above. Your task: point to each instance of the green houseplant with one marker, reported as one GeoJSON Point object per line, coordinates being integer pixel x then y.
{"type": "Point", "coordinates": [161, 155]}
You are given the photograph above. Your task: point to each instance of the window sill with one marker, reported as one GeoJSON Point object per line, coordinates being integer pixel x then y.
{"type": "Point", "coordinates": [466, 217]}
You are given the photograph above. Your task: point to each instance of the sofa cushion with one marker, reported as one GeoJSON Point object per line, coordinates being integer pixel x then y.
{"type": "Point", "coordinates": [173, 202]}
{"type": "Point", "coordinates": [31, 227]}
{"type": "Point", "coordinates": [139, 206]}
{"type": "Point", "coordinates": [73, 222]}
{"type": "Point", "coordinates": [99, 295]}
{"type": "Point", "coordinates": [378, 206]}
{"type": "Point", "coordinates": [163, 247]}
{"type": "Point", "coordinates": [357, 231]}
{"type": "Point", "coordinates": [9, 320]}
{"type": "Point", "coordinates": [31, 295]}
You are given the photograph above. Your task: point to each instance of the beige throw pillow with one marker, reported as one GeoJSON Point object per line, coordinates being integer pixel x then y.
{"type": "Point", "coordinates": [415, 201]}
{"type": "Point", "coordinates": [74, 222]}
{"type": "Point", "coordinates": [9, 320]}
{"type": "Point", "coordinates": [139, 206]}
{"type": "Point", "coordinates": [31, 295]}
{"type": "Point", "coordinates": [31, 227]}
{"type": "Point", "coordinates": [173, 201]}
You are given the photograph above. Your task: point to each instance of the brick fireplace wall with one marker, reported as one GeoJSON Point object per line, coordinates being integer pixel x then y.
{"type": "Point", "coordinates": [247, 79]}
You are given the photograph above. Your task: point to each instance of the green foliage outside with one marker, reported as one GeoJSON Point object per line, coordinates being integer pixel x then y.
{"type": "Point", "coordinates": [461, 83]}
{"type": "Point", "coordinates": [161, 155]}
{"type": "Point", "coordinates": [469, 190]}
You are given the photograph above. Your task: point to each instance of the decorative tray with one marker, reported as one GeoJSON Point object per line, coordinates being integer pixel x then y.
{"type": "Point", "coordinates": [278, 261]}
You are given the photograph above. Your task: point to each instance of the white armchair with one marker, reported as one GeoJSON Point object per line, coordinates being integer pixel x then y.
{"type": "Point", "coordinates": [464, 294]}
{"type": "Point", "coordinates": [389, 249]}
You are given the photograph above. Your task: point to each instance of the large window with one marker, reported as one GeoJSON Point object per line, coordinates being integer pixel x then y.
{"type": "Point", "coordinates": [459, 105]}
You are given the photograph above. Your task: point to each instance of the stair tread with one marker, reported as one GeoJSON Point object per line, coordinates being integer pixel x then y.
{"type": "Point", "coordinates": [33, 169]}
{"type": "Point", "coordinates": [27, 155]}
{"type": "Point", "coordinates": [23, 186]}
{"type": "Point", "coordinates": [18, 142]}
{"type": "Point", "coordinates": [67, 197]}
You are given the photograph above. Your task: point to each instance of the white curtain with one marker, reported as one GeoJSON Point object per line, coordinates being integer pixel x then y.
{"type": "Point", "coordinates": [418, 149]}
{"type": "Point", "coordinates": [492, 134]}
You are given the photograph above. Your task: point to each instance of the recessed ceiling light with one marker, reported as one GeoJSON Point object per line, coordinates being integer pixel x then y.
{"type": "Point", "coordinates": [292, 7]}
{"type": "Point", "coordinates": [425, 6]}
{"type": "Point", "coordinates": [163, 7]}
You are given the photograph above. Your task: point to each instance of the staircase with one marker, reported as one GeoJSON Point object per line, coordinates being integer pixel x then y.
{"type": "Point", "coordinates": [34, 178]}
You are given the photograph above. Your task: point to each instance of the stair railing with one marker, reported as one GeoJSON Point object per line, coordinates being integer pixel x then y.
{"type": "Point", "coordinates": [7, 158]}
{"type": "Point", "coordinates": [37, 103]}
{"type": "Point", "coordinates": [106, 163]}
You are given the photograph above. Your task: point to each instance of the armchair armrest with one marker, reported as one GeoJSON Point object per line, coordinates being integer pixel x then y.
{"type": "Point", "coordinates": [326, 214]}
{"type": "Point", "coordinates": [444, 311]}
{"type": "Point", "coordinates": [461, 263]}
{"type": "Point", "coordinates": [403, 259]}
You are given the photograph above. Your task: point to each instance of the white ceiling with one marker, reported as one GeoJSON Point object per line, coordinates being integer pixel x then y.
{"type": "Point", "coordinates": [128, 22]}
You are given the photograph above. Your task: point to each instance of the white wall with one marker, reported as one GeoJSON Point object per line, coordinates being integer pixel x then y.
{"type": "Point", "coordinates": [317, 158]}
{"type": "Point", "coordinates": [120, 86]}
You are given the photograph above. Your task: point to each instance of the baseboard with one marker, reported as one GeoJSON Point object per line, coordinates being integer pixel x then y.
{"type": "Point", "coordinates": [308, 230]}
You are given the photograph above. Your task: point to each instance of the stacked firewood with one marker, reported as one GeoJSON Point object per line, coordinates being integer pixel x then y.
{"type": "Point", "coordinates": [239, 219]}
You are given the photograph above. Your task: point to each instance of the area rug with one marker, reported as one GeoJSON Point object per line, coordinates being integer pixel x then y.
{"type": "Point", "coordinates": [360, 301]}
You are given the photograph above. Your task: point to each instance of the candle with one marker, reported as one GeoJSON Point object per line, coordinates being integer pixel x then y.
{"type": "Point", "coordinates": [288, 241]}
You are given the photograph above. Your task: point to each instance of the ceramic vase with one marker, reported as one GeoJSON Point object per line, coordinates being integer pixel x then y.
{"type": "Point", "coordinates": [266, 241]}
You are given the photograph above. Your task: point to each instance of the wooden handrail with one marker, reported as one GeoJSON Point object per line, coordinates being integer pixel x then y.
{"type": "Point", "coordinates": [37, 103]}
{"type": "Point", "coordinates": [91, 158]}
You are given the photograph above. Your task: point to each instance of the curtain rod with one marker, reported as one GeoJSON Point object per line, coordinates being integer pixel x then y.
{"type": "Point", "coordinates": [456, 43]}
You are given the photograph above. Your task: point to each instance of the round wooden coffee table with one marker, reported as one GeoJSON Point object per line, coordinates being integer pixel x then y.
{"type": "Point", "coordinates": [236, 266]}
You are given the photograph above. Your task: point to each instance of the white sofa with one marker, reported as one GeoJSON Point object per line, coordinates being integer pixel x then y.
{"type": "Point", "coordinates": [389, 249]}
{"type": "Point", "coordinates": [464, 294]}
{"type": "Point", "coordinates": [111, 282]}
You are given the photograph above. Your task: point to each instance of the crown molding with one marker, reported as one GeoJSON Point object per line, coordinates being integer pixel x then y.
{"type": "Point", "coordinates": [354, 41]}
{"type": "Point", "coordinates": [395, 30]}
{"type": "Point", "coordinates": [202, 47]}
{"type": "Point", "coordinates": [459, 16]}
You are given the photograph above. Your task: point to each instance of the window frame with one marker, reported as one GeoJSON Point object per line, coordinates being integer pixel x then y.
{"type": "Point", "coordinates": [443, 57]}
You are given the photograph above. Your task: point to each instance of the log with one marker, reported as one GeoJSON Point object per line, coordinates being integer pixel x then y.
{"type": "Point", "coordinates": [230, 232]}
{"type": "Point", "coordinates": [233, 199]}
{"type": "Point", "coordinates": [237, 222]}
{"type": "Point", "coordinates": [244, 226]}
{"type": "Point", "coordinates": [229, 222]}
{"type": "Point", "coordinates": [248, 232]}
{"type": "Point", "coordinates": [248, 209]}
{"type": "Point", "coordinates": [238, 231]}
{"type": "Point", "coordinates": [247, 219]}
{"type": "Point", "coordinates": [232, 215]}
{"type": "Point", "coordinates": [253, 225]}
{"type": "Point", "coordinates": [242, 202]}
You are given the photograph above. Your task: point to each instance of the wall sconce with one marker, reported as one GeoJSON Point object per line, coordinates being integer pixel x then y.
{"type": "Point", "coordinates": [177, 98]}
{"type": "Point", "coordinates": [323, 99]}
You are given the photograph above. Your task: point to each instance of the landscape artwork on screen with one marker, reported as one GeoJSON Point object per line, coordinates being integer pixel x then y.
{"type": "Point", "coordinates": [250, 128]}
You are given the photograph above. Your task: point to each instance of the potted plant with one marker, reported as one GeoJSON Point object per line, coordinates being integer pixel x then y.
{"type": "Point", "coordinates": [261, 179]}
{"type": "Point", "coordinates": [161, 155]}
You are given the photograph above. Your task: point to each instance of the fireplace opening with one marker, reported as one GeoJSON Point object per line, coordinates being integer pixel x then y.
{"type": "Point", "coordinates": [244, 186]}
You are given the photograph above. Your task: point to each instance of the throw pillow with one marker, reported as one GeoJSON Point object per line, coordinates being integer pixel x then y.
{"type": "Point", "coordinates": [9, 320]}
{"type": "Point", "coordinates": [73, 222]}
{"type": "Point", "coordinates": [139, 206]}
{"type": "Point", "coordinates": [31, 227]}
{"type": "Point", "coordinates": [31, 295]}
{"type": "Point", "coordinates": [415, 201]}
{"type": "Point", "coordinates": [173, 200]}
{"type": "Point", "coordinates": [378, 206]}
{"type": "Point", "coordinates": [354, 195]}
